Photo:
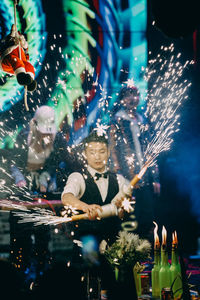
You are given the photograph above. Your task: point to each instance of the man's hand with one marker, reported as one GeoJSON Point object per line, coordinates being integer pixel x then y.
{"type": "Point", "coordinates": [118, 202]}
{"type": "Point", "coordinates": [124, 205]}
{"type": "Point", "coordinates": [121, 213]}
{"type": "Point", "coordinates": [91, 210]}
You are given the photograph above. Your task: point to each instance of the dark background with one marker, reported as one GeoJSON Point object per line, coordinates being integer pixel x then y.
{"type": "Point", "coordinates": [178, 208]}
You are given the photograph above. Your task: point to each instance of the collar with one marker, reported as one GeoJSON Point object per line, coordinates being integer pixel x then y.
{"type": "Point", "coordinates": [92, 171]}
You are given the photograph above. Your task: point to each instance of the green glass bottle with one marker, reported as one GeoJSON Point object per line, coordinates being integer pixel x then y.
{"type": "Point", "coordinates": [137, 279]}
{"type": "Point", "coordinates": [164, 274]}
{"type": "Point", "coordinates": [155, 275]}
{"type": "Point", "coordinates": [175, 273]}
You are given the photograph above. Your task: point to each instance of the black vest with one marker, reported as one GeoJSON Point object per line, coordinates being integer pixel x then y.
{"type": "Point", "coordinates": [105, 228]}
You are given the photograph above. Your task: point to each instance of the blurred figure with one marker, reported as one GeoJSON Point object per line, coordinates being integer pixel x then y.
{"type": "Point", "coordinates": [38, 152]}
{"type": "Point", "coordinates": [127, 156]}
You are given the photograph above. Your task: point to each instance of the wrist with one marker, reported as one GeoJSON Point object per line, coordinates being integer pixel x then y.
{"type": "Point", "coordinates": [83, 206]}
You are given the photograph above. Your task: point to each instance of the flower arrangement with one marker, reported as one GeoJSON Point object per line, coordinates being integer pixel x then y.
{"type": "Point", "coordinates": [127, 250]}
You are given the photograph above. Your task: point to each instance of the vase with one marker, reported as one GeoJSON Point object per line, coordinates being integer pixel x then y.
{"type": "Point", "coordinates": [125, 283]}
{"type": "Point", "coordinates": [137, 279]}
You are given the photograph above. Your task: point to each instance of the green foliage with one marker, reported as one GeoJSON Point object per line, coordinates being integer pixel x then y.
{"type": "Point", "coordinates": [127, 250]}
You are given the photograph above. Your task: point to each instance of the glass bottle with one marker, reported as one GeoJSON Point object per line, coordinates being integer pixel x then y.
{"type": "Point", "coordinates": [175, 273]}
{"type": "Point", "coordinates": [155, 275]}
{"type": "Point", "coordinates": [164, 273]}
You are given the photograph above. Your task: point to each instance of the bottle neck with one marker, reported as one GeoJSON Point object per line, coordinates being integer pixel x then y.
{"type": "Point", "coordinates": [164, 257]}
{"type": "Point", "coordinates": [175, 260]}
{"type": "Point", "coordinates": [156, 257]}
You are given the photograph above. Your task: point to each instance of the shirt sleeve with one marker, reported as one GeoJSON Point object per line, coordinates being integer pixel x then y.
{"type": "Point", "coordinates": [75, 185]}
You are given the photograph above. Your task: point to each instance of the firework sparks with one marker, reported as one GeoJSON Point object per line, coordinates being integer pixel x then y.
{"type": "Point", "coordinates": [164, 99]}
{"type": "Point", "coordinates": [127, 205]}
{"type": "Point", "coordinates": [101, 129]}
{"type": "Point", "coordinates": [130, 83]}
{"type": "Point", "coordinates": [169, 90]}
{"type": "Point", "coordinates": [40, 216]}
{"type": "Point", "coordinates": [130, 159]}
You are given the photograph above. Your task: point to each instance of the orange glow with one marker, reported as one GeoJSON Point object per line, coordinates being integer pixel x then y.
{"type": "Point", "coordinates": [164, 236]}
{"type": "Point", "coordinates": [174, 239]}
{"type": "Point", "coordinates": [156, 237]}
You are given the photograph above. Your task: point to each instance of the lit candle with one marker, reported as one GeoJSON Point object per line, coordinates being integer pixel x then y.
{"type": "Point", "coordinates": [156, 237]}
{"type": "Point", "coordinates": [156, 269]}
{"type": "Point", "coordinates": [164, 238]}
{"type": "Point", "coordinates": [164, 274]}
{"type": "Point", "coordinates": [174, 240]}
{"type": "Point", "coordinates": [175, 269]}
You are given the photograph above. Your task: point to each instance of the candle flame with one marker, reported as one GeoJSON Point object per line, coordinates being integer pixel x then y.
{"type": "Point", "coordinates": [164, 236]}
{"type": "Point", "coordinates": [174, 239]}
{"type": "Point", "coordinates": [156, 237]}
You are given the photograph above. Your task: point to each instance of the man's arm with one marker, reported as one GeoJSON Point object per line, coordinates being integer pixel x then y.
{"type": "Point", "coordinates": [91, 210]}
{"type": "Point", "coordinates": [70, 199]}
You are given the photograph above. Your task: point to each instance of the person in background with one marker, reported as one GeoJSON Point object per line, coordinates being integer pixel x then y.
{"type": "Point", "coordinates": [38, 152]}
{"type": "Point", "coordinates": [127, 156]}
{"type": "Point", "coordinates": [87, 192]}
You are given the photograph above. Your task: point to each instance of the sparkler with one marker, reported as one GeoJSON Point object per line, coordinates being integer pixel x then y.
{"type": "Point", "coordinates": [164, 99]}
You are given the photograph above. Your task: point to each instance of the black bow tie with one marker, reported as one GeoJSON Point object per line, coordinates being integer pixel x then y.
{"type": "Point", "coordinates": [100, 175]}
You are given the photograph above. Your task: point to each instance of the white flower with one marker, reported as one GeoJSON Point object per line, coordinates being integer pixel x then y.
{"type": "Point", "coordinates": [144, 246]}
{"type": "Point", "coordinates": [128, 249]}
{"type": "Point", "coordinates": [102, 246]}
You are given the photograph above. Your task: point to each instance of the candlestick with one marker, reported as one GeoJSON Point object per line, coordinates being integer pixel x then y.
{"type": "Point", "coordinates": [164, 274]}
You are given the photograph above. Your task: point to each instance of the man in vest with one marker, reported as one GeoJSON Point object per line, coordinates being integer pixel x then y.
{"type": "Point", "coordinates": [93, 188]}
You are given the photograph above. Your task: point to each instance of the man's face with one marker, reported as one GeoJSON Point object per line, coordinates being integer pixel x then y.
{"type": "Point", "coordinates": [97, 155]}
{"type": "Point", "coordinates": [47, 138]}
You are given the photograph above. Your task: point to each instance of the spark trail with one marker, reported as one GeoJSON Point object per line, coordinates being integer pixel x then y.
{"type": "Point", "coordinates": [167, 94]}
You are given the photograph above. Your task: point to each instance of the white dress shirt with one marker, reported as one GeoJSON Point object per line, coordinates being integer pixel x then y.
{"type": "Point", "coordinates": [76, 184]}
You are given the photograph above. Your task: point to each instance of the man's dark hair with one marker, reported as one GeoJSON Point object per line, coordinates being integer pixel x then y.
{"type": "Point", "coordinates": [94, 137]}
{"type": "Point", "coordinates": [128, 91]}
